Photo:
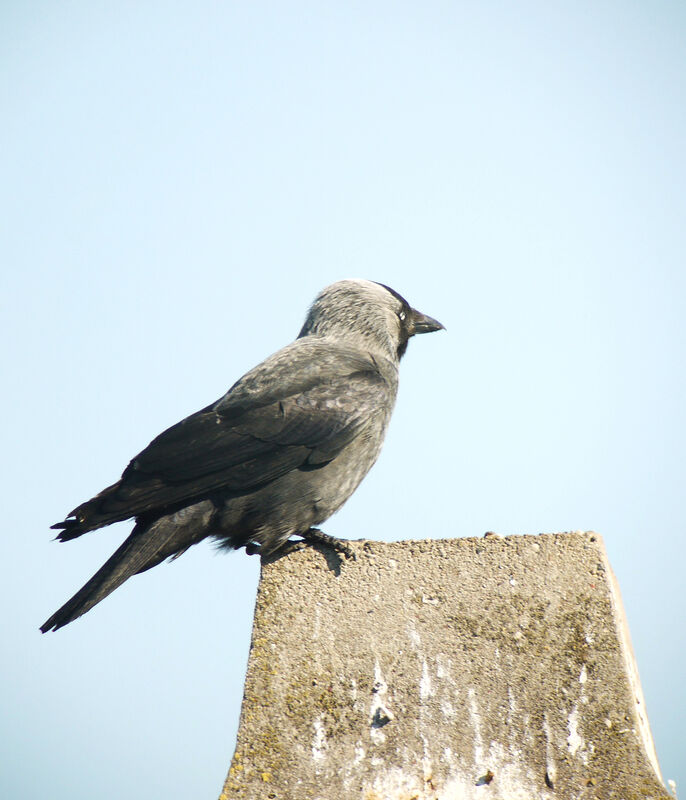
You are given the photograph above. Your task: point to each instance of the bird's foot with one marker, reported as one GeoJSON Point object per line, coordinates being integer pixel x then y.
{"type": "Point", "coordinates": [315, 536]}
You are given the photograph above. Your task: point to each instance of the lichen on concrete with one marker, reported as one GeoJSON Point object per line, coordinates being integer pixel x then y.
{"type": "Point", "coordinates": [491, 668]}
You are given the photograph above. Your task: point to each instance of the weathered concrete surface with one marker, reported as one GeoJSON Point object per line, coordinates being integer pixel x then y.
{"type": "Point", "coordinates": [494, 669]}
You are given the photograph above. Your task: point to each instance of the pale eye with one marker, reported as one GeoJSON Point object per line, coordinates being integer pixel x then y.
{"type": "Point", "coordinates": [402, 316]}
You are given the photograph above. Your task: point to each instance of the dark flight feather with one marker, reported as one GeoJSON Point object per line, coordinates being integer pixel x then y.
{"type": "Point", "coordinates": [237, 447]}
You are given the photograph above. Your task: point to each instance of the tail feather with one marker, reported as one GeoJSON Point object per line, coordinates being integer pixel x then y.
{"type": "Point", "coordinates": [134, 556]}
{"type": "Point", "coordinates": [148, 545]}
{"type": "Point", "coordinates": [119, 567]}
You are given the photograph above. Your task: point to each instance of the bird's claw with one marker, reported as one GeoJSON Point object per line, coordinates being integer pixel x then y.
{"type": "Point", "coordinates": [315, 536]}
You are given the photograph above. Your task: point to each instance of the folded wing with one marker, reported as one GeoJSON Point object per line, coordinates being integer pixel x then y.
{"type": "Point", "coordinates": [261, 429]}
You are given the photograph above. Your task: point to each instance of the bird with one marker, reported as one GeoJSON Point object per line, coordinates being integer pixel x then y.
{"type": "Point", "coordinates": [273, 458]}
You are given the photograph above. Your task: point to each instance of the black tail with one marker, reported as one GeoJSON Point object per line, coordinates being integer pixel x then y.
{"type": "Point", "coordinates": [120, 566]}
{"type": "Point", "coordinates": [148, 545]}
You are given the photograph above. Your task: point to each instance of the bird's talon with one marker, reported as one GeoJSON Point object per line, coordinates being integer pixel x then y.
{"type": "Point", "coordinates": [315, 536]}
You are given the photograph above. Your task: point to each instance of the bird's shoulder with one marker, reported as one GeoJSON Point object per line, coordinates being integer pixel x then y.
{"type": "Point", "coordinates": [312, 394]}
{"type": "Point", "coordinates": [303, 366]}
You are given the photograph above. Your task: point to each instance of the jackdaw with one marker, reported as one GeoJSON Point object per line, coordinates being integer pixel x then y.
{"type": "Point", "coordinates": [274, 457]}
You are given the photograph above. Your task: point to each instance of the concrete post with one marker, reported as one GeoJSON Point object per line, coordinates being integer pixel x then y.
{"type": "Point", "coordinates": [493, 669]}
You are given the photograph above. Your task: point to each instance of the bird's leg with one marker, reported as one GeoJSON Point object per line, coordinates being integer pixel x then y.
{"type": "Point", "coordinates": [315, 536]}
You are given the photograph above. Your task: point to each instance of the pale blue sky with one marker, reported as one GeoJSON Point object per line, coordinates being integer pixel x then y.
{"type": "Point", "coordinates": [178, 180]}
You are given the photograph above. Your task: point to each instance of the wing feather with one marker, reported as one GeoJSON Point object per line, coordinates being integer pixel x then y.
{"type": "Point", "coordinates": [264, 427]}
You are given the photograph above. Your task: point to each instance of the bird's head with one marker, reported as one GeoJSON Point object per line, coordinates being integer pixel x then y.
{"type": "Point", "coordinates": [368, 314]}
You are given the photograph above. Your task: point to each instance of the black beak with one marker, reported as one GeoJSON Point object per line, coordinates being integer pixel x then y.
{"type": "Point", "coordinates": [420, 323]}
